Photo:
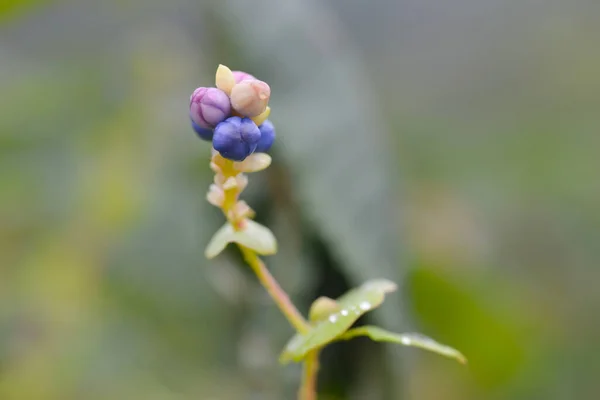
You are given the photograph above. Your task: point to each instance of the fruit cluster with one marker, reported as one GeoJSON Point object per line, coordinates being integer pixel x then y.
{"type": "Point", "coordinates": [233, 115]}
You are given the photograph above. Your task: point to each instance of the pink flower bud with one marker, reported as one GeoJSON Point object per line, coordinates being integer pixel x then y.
{"type": "Point", "coordinates": [209, 107]}
{"type": "Point", "coordinates": [242, 76]}
{"type": "Point", "coordinates": [250, 97]}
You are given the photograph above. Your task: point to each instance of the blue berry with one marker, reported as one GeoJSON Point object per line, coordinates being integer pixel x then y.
{"type": "Point", "coordinates": [203, 133]}
{"type": "Point", "coordinates": [267, 137]}
{"type": "Point", "coordinates": [236, 138]}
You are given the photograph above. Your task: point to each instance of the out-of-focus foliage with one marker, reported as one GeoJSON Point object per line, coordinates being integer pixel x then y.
{"type": "Point", "coordinates": [487, 110]}
{"type": "Point", "coordinates": [9, 8]}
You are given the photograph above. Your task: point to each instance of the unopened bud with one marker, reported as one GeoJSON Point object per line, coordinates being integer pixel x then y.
{"type": "Point", "coordinates": [236, 138]}
{"type": "Point", "coordinates": [250, 97]}
{"type": "Point", "coordinates": [267, 137]}
{"type": "Point", "coordinates": [241, 76]}
{"type": "Point", "coordinates": [209, 107]}
{"type": "Point", "coordinates": [203, 133]}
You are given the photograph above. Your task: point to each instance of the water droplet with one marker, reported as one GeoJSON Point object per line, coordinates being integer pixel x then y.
{"type": "Point", "coordinates": [354, 310]}
{"type": "Point", "coordinates": [365, 305]}
{"type": "Point", "coordinates": [332, 318]}
{"type": "Point", "coordinates": [344, 312]}
{"type": "Point", "coordinates": [406, 341]}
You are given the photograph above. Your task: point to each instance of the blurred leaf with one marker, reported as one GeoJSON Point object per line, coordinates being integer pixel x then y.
{"type": "Point", "coordinates": [407, 339]}
{"type": "Point", "coordinates": [456, 313]}
{"type": "Point", "coordinates": [8, 7]}
{"type": "Point", "coordinates": [352, 305]}
{"type": "Point", "coordinates": [254, 236]}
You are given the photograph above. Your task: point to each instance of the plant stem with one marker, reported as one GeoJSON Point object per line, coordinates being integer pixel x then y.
{"type": "Point", "coordinates": [308, 390]}
{"type": "Point", "coordinates": [226, 169]}
{"type": "Point", "coordinates": [275, 291]}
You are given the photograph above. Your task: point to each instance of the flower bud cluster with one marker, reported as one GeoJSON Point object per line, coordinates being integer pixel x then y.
{"type": "Point", "coordinates": [229, 182]}
{"type": "Point", "coordinates": [233, 115]}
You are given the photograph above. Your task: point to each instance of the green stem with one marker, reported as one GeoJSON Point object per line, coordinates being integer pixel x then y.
{"type": "Point", "coordinates": [275, 291]}
{"type": "Point", "coordinates": [301, 325]}
{"type": "Point", "coordinates": [308, 390]}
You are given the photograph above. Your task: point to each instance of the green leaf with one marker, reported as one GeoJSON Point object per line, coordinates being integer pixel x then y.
{"type": "Point", "coordinates": [437, 292]}
{"type": "Point", "coordinates": [407, 339]}
{"type": "Point", "coordinates": [352, 305]}
{"type": "Point", "coordinates": [322, 308]}
{"type": "Point", "coordinates": [254, 236]}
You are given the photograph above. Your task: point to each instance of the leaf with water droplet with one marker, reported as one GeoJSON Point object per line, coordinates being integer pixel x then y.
{"type": "Point", "coordinates": [352, 305]}
{"type": "Point", "coordinates": [254, 236]}
{"type": "Point", "coordinates": [407, 339]}
{"type": "Point", "coordinates": [321, 308]}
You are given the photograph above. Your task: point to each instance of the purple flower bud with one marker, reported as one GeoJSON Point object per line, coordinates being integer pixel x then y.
{"type": "Point", "coordinates": [267, 137]}
{"type": "Point", "coordinates": [209, 106]}
{"type": "Point", "coordinates": [204, 133]}
{"type": "Point", "coordinates": [241, 76]}
{"type": "Point", "coordinates": [236, 138]}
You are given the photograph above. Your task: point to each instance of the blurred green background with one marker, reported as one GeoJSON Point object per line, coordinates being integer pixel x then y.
{"type": "Point", "coordinates": [452, 146]}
